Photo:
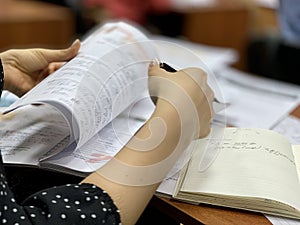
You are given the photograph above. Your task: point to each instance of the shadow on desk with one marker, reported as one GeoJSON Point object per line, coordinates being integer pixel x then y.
{"type": "Point", "coordinates": [153, 216]}
{"type": "Point", "coordinates": [25, 181]}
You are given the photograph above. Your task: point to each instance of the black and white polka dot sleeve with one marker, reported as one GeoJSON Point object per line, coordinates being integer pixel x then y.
{"type": "Point", "coordinates": [72, 204]}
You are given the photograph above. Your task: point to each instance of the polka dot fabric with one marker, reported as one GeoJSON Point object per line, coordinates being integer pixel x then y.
{"type": "Point", "coordinates": [72, 204]}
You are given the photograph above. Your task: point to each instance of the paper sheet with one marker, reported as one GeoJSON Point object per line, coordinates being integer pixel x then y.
{"type": "Point", "coordinates": [290, 127]}
{"type": "Point", "coordinates": [275, 220]}
{"type": "Point", "coordinates": [256, 101]}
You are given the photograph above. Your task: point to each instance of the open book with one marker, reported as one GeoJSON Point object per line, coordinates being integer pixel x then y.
{"type": "Point", "coordinates": [256, 170]}
{"type": "Point", "coordinates": [79, 117]}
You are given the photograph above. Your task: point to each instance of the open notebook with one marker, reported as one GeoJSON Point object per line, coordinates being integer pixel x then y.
{"type": "Point", "coordinates": [256, 170]}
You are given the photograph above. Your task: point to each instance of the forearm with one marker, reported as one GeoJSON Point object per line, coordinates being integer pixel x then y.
{"type": "Point", "coordinates": [133, 176]}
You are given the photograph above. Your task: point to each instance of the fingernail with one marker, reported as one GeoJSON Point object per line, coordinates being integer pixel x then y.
{"type": "Point", "coordinates": [77, 40]}
{"type": "Point", "coordinates": [153, 63]}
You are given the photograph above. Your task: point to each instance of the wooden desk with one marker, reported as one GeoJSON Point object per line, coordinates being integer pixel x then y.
{"type": "Point", "coordinates": [31, 23]}
{"type": "Point", "coordinates": [189, 214]}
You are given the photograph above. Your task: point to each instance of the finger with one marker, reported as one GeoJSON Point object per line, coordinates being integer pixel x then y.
{"type": "Point", "coordinates": [197, 74]}
{"type": "Point", "coordinates": [205, 123]}
{"type": "Point", "coordinates": [204, 131]}
{"type": "Point", "coordinates": [54, 66]}
{"type": "Point", "coordinates": [155, 70]}
{"type": "Point", "coordinates": [60, 55]}
{"type": "Point", "coordinates": [209, 94]}
{"type": "Point", "coordinates": [201, 78]}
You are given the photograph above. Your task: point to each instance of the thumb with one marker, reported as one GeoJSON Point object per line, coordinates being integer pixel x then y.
{"type": "Point", "coordinates": [61, 55]}
{"type": "Point", "coordinates": [155, 72]}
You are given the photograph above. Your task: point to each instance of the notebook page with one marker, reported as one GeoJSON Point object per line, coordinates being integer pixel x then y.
{"type": "Point", "coordinates": [296, 152]}
{"type": "Point", "coordinates": [251, 162]}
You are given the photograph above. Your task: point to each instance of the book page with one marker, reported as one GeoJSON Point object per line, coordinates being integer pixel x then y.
{"type": "Point", "coordinates": [254, 163]}
{"type": "Point", "coordinates": [167, 187]}
{"type": "Point", "coordinates": [105, 144]}
{"type": "Point", "coordinates": [109, 73]}
{"type": "Point", "coordinates": [296, 152]}
{"type": "Point", "coordinates": [29, 132]}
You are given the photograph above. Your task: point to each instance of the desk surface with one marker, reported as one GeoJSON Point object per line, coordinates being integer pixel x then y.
{"type": "Point", "coordinates": [204, 214]}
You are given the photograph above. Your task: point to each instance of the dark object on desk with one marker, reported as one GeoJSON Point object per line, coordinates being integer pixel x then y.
{"type": "Point", "coordinates": [272, 58]}
{"type": "Point", "coordinates": [289, 61]}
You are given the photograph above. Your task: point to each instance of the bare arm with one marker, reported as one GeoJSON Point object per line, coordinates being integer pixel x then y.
{"type": "Point", "coordinates": [183, 113]}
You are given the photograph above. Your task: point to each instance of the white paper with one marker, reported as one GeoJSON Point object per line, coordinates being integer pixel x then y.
{"type": "Point", "coordinates": [289, 127]}
{"type": "Point", "coordinates": [29, 132]}
{"type": "Point", "coordinates": [104, 145]}
{"type": "Point", "coordinates": [256, 101]}
{"type": "Point", "coordinates": [276, 220]}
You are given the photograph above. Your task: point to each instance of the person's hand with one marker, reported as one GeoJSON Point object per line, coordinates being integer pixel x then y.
{"type": "Point", "coordinates": [178, 87]}
{"type": "Point", "coordinates": [25, 68]}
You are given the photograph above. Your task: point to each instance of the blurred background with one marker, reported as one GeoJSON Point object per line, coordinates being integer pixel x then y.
{"type": "Point", "coordinates": [250, 27]}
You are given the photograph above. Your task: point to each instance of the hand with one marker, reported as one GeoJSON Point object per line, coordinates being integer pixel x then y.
{"type": "Point", "coordinates": [187, 84]}
{"type": "Point", "coordinates": [25, 68]}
